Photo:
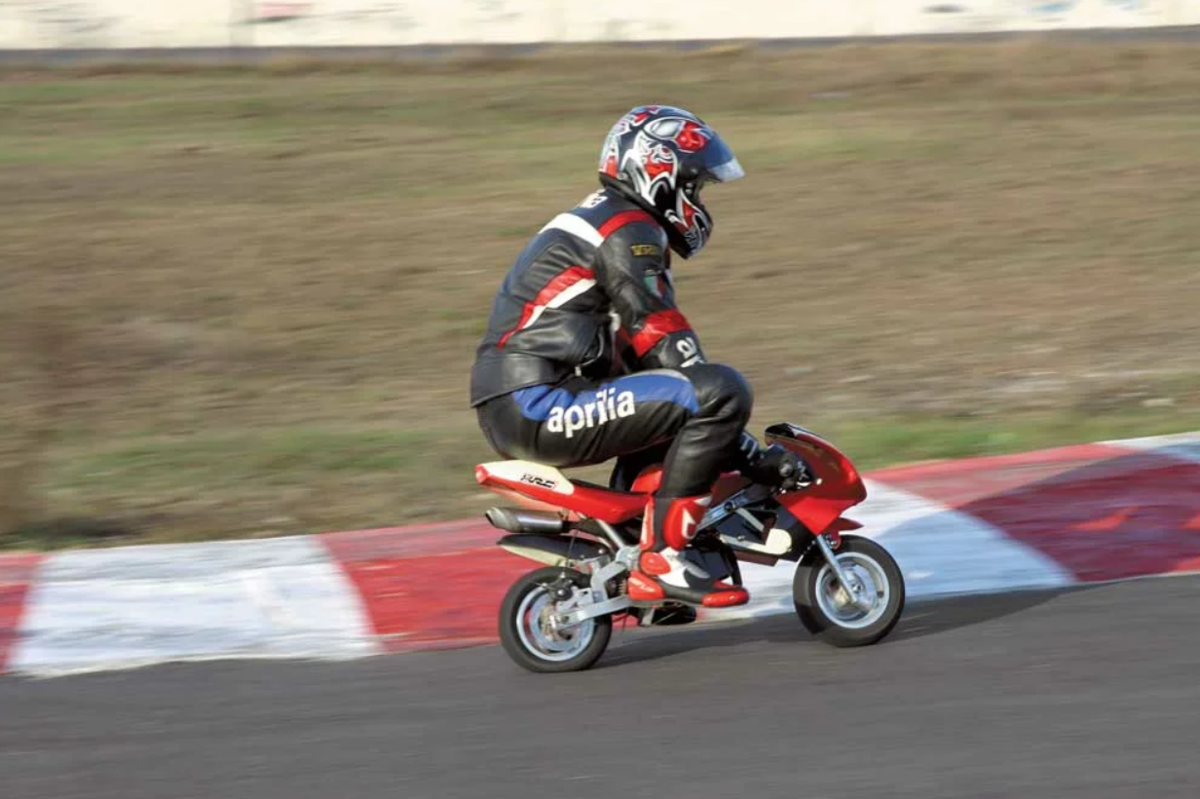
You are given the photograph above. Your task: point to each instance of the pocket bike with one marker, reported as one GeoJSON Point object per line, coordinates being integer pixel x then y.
{"type": "Point", "coordinates": [848, 591]}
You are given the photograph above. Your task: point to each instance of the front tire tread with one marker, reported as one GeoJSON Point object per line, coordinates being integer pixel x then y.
{"type": "Point", "coordinates": [804, 588]}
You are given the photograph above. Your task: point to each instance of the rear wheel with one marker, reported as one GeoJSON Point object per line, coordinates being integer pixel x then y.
{"type": "Point", "coordinates": [831, 613]}
{"type": "Point", "coordinates": [529, 633]}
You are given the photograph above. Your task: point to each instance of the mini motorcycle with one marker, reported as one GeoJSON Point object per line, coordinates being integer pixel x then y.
{"type": "Point", "coordinates": [848, 591]}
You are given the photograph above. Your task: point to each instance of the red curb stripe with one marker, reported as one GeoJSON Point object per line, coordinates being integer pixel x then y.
{"type": "Point", "coordinates": [434, 538]}
{"type": "Point", "coordinates": [1101, 512]}
{"type": "Point", "coordinates": [961, 481]}
{"type": "Point", "coordinates": [430, 588]}
{"type": "Point", "coordinates": [16, 575]}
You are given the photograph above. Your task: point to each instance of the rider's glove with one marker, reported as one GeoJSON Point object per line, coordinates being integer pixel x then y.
{"type": "Point", "coordinates": [774, 467]}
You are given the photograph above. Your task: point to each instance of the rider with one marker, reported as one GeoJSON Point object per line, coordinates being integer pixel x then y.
{"type": "Point", "coordinates": [586, 356]}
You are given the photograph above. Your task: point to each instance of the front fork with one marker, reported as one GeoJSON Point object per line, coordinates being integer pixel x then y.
{"type": "Point", "coordinates": [847, 580]}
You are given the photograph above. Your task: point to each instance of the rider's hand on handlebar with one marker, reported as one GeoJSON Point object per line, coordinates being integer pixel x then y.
{"type": "Point", "coordinates": [777, 467]}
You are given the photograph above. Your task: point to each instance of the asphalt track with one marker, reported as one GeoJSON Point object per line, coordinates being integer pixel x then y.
{"type": "Point", "coordinates": [1092, 692]}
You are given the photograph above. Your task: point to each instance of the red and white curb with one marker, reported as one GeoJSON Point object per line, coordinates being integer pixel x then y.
{"type": "Point", "coordinates": [1090, 513]}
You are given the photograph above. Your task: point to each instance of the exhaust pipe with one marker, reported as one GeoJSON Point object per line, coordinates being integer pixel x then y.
{"type": "Point", "coordinates": [522, 521]}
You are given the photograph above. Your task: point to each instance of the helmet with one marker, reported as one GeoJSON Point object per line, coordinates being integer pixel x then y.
{"type": "Point", "coordinates": [660, 157]}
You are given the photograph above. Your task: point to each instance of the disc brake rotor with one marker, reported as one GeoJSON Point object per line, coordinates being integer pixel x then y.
{"type": "Point", "coordinates": [540, 634]}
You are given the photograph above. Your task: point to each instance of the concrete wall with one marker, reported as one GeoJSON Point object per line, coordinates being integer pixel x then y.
{"type": "Point", "coordinates": [199, 23]}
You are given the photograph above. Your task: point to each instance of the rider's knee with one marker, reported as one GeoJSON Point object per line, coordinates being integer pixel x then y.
{"type": "Point", "coordinates": [722, 392]}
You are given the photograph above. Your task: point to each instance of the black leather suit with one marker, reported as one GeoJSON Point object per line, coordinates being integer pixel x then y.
{"type": "Point", "coordinates": [587, 358]}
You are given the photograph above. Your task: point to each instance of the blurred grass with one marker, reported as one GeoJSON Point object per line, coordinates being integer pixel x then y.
{"type": "Point", "coordinates": [876, 443]}
{"type": "Point", "coordinates": [244, 301]}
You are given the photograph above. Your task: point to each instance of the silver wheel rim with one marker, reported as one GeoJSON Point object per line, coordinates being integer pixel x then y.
{"type": "Point", "coordinates": [837, 605]}
{"type": "Point", "coordinates": [538, 635]}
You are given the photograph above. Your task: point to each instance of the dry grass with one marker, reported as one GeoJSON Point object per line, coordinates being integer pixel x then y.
{"type": "Point", "coordinates": [245, 301]}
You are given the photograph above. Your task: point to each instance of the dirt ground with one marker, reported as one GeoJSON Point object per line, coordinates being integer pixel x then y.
{"type": "Point", "coordinates": [244, 302]}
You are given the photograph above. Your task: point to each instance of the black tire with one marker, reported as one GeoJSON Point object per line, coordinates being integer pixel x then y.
{"type": "Point", "coordinates": [514, 640]}
{"type": "Point", "coordinates": [813, 573]}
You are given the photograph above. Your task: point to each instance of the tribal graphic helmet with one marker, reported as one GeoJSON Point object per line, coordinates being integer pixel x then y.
{"type": "Point", "coordinates": [660, 157]}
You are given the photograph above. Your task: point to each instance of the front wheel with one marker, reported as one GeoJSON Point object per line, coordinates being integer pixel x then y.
{"type": "Point", "coordinates": [830, 613]}
{"type": "Point", "coordinates": [529, 633]}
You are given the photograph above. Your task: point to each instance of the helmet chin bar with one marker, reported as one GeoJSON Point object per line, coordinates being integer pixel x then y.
{"type": "Point", "coordinates": [696, 234]}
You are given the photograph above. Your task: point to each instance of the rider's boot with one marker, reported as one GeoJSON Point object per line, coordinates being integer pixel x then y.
{"type": "Point", "coordinates": [664, 572]}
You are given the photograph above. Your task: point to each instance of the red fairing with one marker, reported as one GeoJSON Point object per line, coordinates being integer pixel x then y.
{"type": "Point", "coordinates": [834, 531]}
{"type": "Point", "coordinates": [841, 487]}
{"type": "Point", "coordinates": [728, 484]}
{"type": "Point", "coordinates": [613, 507]}
{"type": "Point", "coordinates": [525, 501]}
{"type": "Point", "coordinates": [648, 481]}
{"type": "Point", "coordinates": [658, 325]}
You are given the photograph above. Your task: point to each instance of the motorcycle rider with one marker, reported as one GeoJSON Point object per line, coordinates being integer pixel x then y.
{"type": "Point", "coordinates": [587, 357]}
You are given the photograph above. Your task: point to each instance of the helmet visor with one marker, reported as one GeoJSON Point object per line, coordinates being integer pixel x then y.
{"type": "Point", "coordinates": [718, 163]}
{"type": "Point", "coordinates": [728, 172]}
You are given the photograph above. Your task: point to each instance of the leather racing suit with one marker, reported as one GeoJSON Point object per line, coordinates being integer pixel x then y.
{"type": "Point", "coordinates": [586, 358]}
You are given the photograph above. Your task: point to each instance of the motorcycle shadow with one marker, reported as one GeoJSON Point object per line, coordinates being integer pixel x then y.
{"type": "Point", "coordinates": [944, 614]}
{"type": "Point", "coordinates": [921, 618]}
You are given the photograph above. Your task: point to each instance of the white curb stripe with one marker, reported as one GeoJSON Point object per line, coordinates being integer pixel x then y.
{"type": "Point", "coordinates": [98, 610]}
{"type": "Point", "coordinates": [1185, 446]}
